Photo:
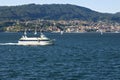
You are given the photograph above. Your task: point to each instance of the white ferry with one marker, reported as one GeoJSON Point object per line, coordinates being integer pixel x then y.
{"type": "Point", "coordinates": [42, 40]}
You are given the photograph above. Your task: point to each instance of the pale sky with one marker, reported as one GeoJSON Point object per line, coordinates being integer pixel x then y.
{"type": "Point", "coordinates": [109, 6]}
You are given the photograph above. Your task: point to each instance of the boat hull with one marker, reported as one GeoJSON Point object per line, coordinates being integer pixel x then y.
{"type": "Point", "coordinates": [35, 43]}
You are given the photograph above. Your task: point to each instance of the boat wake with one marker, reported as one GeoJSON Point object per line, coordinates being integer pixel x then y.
{"type": "Point", "coordinates": [8, 43]}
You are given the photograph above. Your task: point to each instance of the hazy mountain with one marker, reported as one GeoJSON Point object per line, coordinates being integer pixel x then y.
{"type": "Point", "coordinates": [54, 12]}
{"type": "Point", "coordinates": [118, 14]}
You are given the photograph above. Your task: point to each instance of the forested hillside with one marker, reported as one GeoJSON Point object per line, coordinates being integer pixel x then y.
{"type": "Point", "coordinates": [54, 12]}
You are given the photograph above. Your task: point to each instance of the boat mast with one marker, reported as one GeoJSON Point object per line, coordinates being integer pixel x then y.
{"type": "Point", "coordinates": [35, 30]}
{"type": "Point", "coordinates": [25, 33]}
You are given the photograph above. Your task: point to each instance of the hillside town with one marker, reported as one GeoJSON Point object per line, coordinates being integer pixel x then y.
{"type": "Point", "coordinates": [68, 26]}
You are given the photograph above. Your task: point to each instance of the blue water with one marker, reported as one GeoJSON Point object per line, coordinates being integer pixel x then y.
{"type": "Point", "coordinates": [83, 56]}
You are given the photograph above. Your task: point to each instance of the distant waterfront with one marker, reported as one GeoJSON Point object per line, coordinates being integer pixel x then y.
{"type": "Point", "coordinates": [69, 26]}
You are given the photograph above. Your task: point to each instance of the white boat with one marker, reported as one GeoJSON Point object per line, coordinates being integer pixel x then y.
{"type": "Point", "coordinates": [116, 31]}
{"type": "Point", "coordinates": [61, 32]}
{"type": "Point", "coordinates": [101, 32]}
{"type": "Point", "coordinates": [42, 40]}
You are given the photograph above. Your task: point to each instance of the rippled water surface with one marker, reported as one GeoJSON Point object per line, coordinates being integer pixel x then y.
{"type": "Point", "coordinates": [74, 56]}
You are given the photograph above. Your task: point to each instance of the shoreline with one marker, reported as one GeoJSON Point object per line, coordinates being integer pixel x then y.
{"type": "Point", "coordinates": [53, 32]}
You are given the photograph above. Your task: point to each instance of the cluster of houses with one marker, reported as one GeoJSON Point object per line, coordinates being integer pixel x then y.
{"type": "Point", "coordinates": [66, 26]}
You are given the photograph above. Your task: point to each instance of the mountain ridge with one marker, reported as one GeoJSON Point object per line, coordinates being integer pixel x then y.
{"type": "Point", "coordinates": [54, 12]}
